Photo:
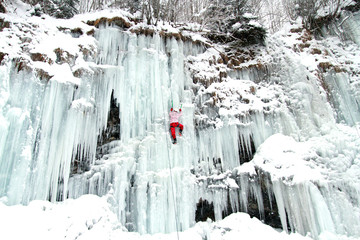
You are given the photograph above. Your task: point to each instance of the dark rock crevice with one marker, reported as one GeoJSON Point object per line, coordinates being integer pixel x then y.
{"type": "Point", "coordinates": [2, 8]}
{"type": "Point", "coordinates": [204, 210]}
{"type": "Point", "coordinates": [112, 131]}
{"type": "Point", "coordinates": [269, 213]}
{"type": "Point", "coordinates": [246, 155]}
{"type": "Point", "coordinates": [270, 216]}
{"type": "Point", "coordinates": [80, 162]}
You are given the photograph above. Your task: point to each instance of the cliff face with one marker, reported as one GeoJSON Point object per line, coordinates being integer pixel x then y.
{"type": "Point", "coordinates": [270, 129]}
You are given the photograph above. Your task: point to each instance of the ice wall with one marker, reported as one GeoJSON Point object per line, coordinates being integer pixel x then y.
{"type": "Point", "coordinates": [350, 26]}
{"type": "Point", "coordinates": [54, 126]}
{"type": "Point", "coordinates": [49, 129]}
{"type": "Point", "coordinates": [136, 168]}
{"type": "Point", "coordinates": [147, 74]}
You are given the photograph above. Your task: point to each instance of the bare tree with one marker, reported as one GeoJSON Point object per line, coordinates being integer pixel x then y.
{"type": "Point", "coordinates": [316, 13]}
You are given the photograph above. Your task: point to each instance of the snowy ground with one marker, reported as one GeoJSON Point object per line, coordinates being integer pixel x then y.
{"type": "Point", "coordinates": [90, 217]}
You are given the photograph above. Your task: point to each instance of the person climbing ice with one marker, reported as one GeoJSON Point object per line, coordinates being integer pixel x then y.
{"type": "Point", "coordinates": [174, 122]}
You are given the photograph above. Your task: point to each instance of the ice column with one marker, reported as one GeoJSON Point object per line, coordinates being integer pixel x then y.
{"type": "Point", "coordinates": [145, 73]}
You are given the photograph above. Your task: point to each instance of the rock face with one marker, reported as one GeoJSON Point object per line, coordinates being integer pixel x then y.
{"type": "Point", "coordinates": [269, 214]}
{"type": "Point", "coordinates": [2, 8]}
{"type": "Point", "coordinates": [112, 131]}
{"type": "Point", "coordinates": [204, 210]}
{"type": "Point", "coordinates": [2, 56]}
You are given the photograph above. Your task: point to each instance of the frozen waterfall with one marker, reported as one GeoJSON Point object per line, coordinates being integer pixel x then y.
{"type": "Point", "coordinates": [299, 133]}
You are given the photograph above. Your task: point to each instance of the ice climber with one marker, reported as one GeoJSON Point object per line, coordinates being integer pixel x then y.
{"type": "Point", "coordinates": [174, 122]}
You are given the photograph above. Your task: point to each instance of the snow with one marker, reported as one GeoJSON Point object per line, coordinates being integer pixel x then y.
{"type": "Point", "coordinates": [255, 23]}
{"type": "Point", "coordinates": [91, 217]}
{"type": "Point", "coordinates": [62, 73]}
{"type": "Point", "coordinates": [236, 26]}
{"type": "Point", "coordinates": [249, 15]}
{"type": "Point", "coordinates": [108, 13]}
{"type": "Point", "coordinates": [305, 130]}
{"type": "Point", "coordinates": [283, 157]}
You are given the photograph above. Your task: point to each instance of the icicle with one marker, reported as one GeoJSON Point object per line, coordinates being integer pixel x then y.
{"type": "Point", "coordinates": [280, 204]}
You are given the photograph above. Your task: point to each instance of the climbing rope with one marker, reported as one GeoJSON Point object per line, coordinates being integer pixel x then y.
{"type": "Point", "coordinates": [172, 183]}
{"type": "Point", "coordinates": [174, 199]}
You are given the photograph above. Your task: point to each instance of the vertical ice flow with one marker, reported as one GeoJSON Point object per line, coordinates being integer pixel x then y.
{"type": "Point", "coordinates": [46, 127]}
